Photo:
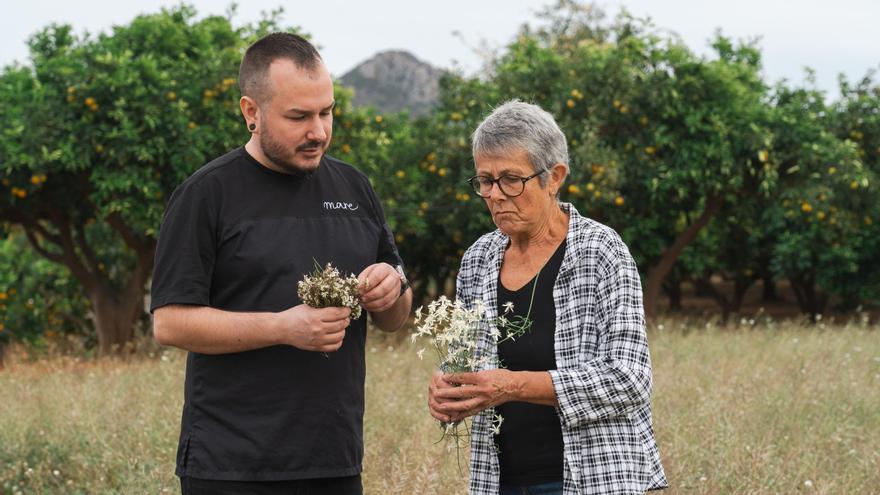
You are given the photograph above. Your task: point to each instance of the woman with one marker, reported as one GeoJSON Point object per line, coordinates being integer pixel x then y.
{"type": "Point", "coordinates": [574, 391]}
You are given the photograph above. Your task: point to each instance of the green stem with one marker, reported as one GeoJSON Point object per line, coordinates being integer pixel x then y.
{"type": "Point", "coordinates": [532, 299]}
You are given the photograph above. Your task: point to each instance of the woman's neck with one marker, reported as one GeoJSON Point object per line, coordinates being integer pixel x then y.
{"type": "Point", "coordinates": [548, 233]}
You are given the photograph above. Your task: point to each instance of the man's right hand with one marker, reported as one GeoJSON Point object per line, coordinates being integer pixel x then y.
{"type": "Point", "coordinates": [315, 329]}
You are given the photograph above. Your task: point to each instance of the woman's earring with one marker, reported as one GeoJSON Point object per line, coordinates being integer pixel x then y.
{"type": "Point", "coordinates": [252, 127]}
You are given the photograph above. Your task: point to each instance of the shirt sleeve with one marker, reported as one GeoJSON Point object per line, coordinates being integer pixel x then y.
{"type": "Point", "coordinates": [387, 252]}
{"type": "Point", "coordinates": [618, 380]}
{"type": "Point", "coordinates": [467, 279]}
{"type": "Point", "coordinates": [186, 250]}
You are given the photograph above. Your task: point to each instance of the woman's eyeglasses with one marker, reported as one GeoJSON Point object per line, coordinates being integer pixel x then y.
{"type": "Point", "coordinates": [510, 185]}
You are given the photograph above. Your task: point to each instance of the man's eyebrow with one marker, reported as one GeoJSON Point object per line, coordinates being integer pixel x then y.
{"type": "Point", "coordinates": [307, 112]}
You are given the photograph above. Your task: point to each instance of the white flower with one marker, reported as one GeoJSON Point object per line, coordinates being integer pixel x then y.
{"type": "Point", "coordinates": [497, 419]}
{"type": "Point", "coordinates": [456, 332]}
{"type": "Point", "coordinates": [327, 288]}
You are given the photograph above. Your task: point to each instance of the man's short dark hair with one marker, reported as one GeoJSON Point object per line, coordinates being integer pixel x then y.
{"type": "Point", "coordinates": [253, 75]}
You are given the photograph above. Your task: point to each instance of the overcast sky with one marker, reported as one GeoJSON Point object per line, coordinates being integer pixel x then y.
{"type": "Point", "coordinates": [831, 37]}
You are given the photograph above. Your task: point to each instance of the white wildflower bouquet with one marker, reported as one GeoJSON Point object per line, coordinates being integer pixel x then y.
{"type": "Point", "coordinates": [453, 331]}
{"type": "Point", "coordinates": [326, 288]}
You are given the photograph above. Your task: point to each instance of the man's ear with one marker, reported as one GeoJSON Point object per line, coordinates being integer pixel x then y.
{"type": "Point", "coordinates": [250, 111]}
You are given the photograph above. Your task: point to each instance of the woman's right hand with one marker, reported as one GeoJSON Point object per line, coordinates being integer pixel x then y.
{"type": "Point", "coordinates": [437, 383]}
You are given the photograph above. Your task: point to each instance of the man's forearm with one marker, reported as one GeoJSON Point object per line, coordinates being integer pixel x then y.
{"type": "Point", "coordinates": [394, 317]}
{"type": "Point", "coordinates": [209, 330]}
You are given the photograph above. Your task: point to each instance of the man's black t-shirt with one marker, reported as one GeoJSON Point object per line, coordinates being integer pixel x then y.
{"type": "Point", "coordinates": [238, 236]}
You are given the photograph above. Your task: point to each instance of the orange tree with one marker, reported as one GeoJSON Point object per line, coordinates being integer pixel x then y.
{"type": "Point", "coordinates": [856, 118]}
{"type": "Point", "coordinates": [39, 300]}
{"type": "Point", "coordinates": [689, 133]}
{"type": "Point", "coordinates": [686, 156]}
{"type": "Point", "coordinates": [660, 139]}
{"type": "Point", "coordinates": [99, 131]}
{"type": "Point", "coordinates": [816, 219]}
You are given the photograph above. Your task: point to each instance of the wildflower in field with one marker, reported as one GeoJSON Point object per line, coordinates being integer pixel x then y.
{"type": "Point", "coordinates": [328, 288]}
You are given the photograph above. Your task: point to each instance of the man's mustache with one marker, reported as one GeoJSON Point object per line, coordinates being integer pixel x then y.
{"type": "Point", "coordinates": [310, 145]}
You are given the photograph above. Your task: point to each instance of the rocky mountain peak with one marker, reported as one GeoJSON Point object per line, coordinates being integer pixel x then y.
{"type": "Point", "coordinates": [394, 80]}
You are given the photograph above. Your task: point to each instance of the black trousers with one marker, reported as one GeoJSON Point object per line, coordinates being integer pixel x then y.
{"type": "Point", "coordinates": [350, 485]}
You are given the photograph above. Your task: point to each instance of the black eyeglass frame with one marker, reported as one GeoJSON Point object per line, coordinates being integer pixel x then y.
{"type": "Point", "coordinates": [497, 180]}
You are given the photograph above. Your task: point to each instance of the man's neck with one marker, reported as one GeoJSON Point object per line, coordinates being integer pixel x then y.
{"type": "Point", "coordinates": [253, 148]}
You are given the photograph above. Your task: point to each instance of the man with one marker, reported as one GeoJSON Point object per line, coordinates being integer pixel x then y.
{"type": "Point", "coordinates": [274, 392]}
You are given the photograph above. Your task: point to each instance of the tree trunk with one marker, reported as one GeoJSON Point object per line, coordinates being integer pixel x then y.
{"type": "Point", "coordinates": [673, 290]}
{"type": "Point", "coordinates": [114, 310]}
{"type": "Point", "coordinates": [658, 273]}
{"type": "Point", "coordinates": [705, 286]}
{"type": "Point", "coordinates": [769, 292]}
{"type": "Point", "coordinates": [115, 315]}
{"type": "Point", "coordinates": [810, 301]}
{"type": "Point", "coordinates": [741, 286]}
{"type": "Point", "coordinates": [114, 319]}
{"type": "Point", "coordinates": [2, 355]}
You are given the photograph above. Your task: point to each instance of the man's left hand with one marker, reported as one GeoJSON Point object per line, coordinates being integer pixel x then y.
{"type": "Point", "coordinates": [379, 287]}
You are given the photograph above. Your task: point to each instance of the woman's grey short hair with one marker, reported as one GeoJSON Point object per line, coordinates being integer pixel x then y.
{"type": "Point", "coordinates": [517, 124]}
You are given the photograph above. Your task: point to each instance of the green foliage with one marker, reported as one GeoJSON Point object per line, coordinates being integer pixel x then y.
{"type": "Point", "coordinates": [818, 211]}
{"type": "Point", "coordinates": [652, 128]}
{"type": "Point", "coordinates": [857, 120]}
{"type": "Point", "coordinates": [38, 299]}
{"type": "Point", "coordinates": [98, 131]}
{"type": "Point", "coordinates": [130, 111]}
{"type": "Point", "coordinates": [657, 137]}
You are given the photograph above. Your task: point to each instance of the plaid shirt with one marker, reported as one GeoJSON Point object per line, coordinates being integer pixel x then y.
{"type": "Point", "coordinates": [603, 375]}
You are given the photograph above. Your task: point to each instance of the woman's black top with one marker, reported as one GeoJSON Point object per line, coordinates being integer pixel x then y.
{"type": "Point", "coordinates": [530, 442]}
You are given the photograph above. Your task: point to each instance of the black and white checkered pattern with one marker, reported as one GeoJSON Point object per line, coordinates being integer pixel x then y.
{"type": "Point", "coordinates": [603, 375]}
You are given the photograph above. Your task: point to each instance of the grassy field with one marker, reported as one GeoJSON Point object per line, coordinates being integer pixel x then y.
{"type": "Point", "coordinates": [772, 409]}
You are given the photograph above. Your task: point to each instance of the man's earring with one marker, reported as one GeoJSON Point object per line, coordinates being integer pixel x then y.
{"type": "Point", "coordinates": [252, 127]}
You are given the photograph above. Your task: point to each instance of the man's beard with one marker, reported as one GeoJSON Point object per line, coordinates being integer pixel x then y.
{"type": "Point", "coordinates": [276, 152]}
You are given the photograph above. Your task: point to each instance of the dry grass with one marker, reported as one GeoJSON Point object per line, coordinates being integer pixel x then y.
{"type": "Point", "coordinates": [785, 409]}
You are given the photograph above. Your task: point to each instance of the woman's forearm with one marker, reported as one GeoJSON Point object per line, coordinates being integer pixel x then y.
{"type": "Point", "coordinates": [535, 387]}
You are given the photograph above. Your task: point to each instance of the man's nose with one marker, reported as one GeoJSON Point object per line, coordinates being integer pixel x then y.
{"type": "Point", "coordinates": [316, 131]}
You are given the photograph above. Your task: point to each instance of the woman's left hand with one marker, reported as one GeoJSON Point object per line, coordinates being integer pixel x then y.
{"type": "Point", "coordinates": [476, 391]}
